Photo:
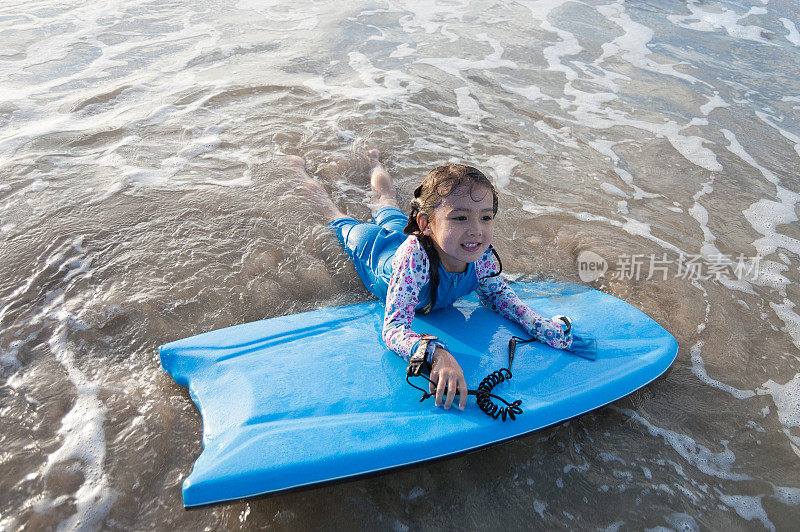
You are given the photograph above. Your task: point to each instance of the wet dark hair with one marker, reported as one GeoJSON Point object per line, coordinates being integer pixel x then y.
{"type": "Point", "coordinates": [440, 183]}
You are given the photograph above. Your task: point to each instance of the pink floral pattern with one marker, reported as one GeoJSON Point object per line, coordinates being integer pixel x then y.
{"type": "Point", "coordinates": [410, 274]}
{"type": "Point", "coordinates": [498, 296]}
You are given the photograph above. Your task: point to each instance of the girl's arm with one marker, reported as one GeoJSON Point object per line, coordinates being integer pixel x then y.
{"type": "Point", "coordinates": [410, 272]}
{"type": "Point", "coordinates": [498, 296]}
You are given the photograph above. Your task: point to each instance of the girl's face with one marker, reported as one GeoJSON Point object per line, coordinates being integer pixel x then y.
{"type": "Point", "coordinates": [461, 226]}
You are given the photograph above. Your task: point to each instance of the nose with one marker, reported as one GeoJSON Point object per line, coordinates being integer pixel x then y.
{"type": "Point", "coordinates": [474, 228]}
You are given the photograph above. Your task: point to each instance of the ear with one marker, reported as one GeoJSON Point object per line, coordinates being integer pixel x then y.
{"type": "Point", "coordinates": [422, 222]}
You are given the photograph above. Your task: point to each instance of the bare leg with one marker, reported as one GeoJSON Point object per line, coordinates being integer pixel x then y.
{"type": "Point", "coordinates": [383, 192]}
{"type": "Point", "coordinates": [314, 189]}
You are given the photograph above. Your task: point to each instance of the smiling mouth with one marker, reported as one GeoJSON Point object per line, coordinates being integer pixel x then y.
{"type": "Point", "coordinates": [471, 246]}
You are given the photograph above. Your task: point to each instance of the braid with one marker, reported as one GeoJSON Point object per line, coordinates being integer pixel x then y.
{"type": "Point", "coordinates": [412, 228]}
{"type": "Point", "coordinates": [433, 257]}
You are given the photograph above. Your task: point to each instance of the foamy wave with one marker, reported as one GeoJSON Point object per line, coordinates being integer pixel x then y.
{"type": "Point", "coordinates": [770, 121]}
{"type": "Point", "coordinates": [630, 225]}
{"type": "Point", "coordinates": [748, 507]}
{"type": "Point", "coordinates": [502, 167]}
{"type": "Point", "coordinates": [765, 216]}
{"type": "Point", "coordinates": [721, 18]}
{"type": "Point", "coordinates": [395, 87]}
{"type": "Point", "coordinates": [787, 400]}
{"type": "Point", "coordinates": [81, 433]}
{"type": "Point", "coordinates": [714, 464]}
{"type": "Point", "coordinates": [793, 36]}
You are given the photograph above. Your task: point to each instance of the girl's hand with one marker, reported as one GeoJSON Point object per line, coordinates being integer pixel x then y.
{"type": "Point", "coordinates": [445, 371]}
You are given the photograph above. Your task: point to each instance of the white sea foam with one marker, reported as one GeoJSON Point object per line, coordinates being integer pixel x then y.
{"type": "Point", "coordinates": [708, 248]}
{"type": "Point", "coordinates": [396, 85]}
{"type": "Point", "coordinates": [722, 18]}
{"type": "Point", "coordinates": [765, 216]}
{"type": "Point", "coordinates": [468, 107]}
{"type": "Point", "coordinates": [714, 464]}
{"type": "Point", "coordinates": [606, 148]}
{"type": "Point", "coordinates": [787, 402]}
{"type": "Point", "coordinates": [581, 468]}
{"type": "Point", "coordinates": [126, 101]}
{"type": "Point", "coordinates": [305, 20]}
{"type": "Point", "coordinates": [714, 102]}
{"type": "Point", "coordinates": [567, 44]}
{"type": "Point", "coordinates": [699, 369]}
{"type": "Point", "coordinates": [528, 145]}
{"type": "Point", "coordinates": [630, 225]}
{"type": "Point", "coordinates": [608, 457]}
{"type": "Point", "coordinates": [403, 50]}
{"type": "Point", "coordinates": [81, 433]}
{"type": "Point", "coordinates": [610, 189]}
{"type": "Point", "coordinates": [589, 109]}
{"type": "Point", "coordinates": [698, 365]}
{"type": "Point", "coordinates": [502, 166]}
{"type": "Point", "coordinates": [793, 36]}
{"type": "Point", "coordinates": [561, 136]}
{"type": "Point", "coordinates": [632, 44]}
{"type": "Point", "coordinates": [748, 507]}
{"type": "Point", "coordinates": [455, 65]}
{"type": "Point", "coordinates": [767, 119]}
{"type": "Point", "coordinates": [788, 496]}
{"type": "Point", "coordinates": [428, 145]}
{"type": "Point", "coordinates": [532, 93]}
{"type": "Point", "coordinates": [430, 17]}
{"type": "Point", "coordinates": [682, 522]}
{"type": "Point", "coordinates": [790, 319]}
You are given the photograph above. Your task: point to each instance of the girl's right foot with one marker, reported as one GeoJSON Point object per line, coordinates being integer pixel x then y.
{"type": "Point", "coordinates": [313, 189]}
{"type": "Point", "coordinates": [383, 192]}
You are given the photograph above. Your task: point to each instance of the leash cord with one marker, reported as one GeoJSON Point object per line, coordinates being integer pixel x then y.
{"type": "Point", "coordinates": [483, 395]}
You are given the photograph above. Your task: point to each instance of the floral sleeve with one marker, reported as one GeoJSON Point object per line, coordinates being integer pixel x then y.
{"type": "Point", "coordinates": [498, 296]}
{"type": "Point", "coordinates": [410, 272]}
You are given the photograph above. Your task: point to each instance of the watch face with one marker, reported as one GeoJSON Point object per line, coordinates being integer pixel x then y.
{"type": "Point", "coordinates": [422, 349]}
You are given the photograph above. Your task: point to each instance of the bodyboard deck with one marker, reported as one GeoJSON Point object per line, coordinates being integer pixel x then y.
{"type": "Point", "coordinates": [310, 398]}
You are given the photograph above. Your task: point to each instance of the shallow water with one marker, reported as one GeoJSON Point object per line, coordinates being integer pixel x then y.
{"type": "Point", "coordinates": [143, 198]}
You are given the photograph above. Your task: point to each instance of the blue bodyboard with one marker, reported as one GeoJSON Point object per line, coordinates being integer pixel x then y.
{"type": "Point", "coordinates": [304, 399]}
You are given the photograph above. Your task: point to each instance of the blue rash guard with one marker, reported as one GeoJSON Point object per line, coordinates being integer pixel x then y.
{"type": "Point", "coordinates": [372, 247]}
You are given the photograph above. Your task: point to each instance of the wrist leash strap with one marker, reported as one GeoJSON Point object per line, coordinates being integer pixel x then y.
{"type": "Point", "coordinates": [418, 366]}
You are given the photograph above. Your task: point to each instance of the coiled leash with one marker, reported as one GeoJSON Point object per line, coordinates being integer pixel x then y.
{"type": "Point", "coordinates": [418, 364]}
{"type": "Point", "coordinates": [483, 394]}
{"type": "Point", "coordinates": [585, 347]}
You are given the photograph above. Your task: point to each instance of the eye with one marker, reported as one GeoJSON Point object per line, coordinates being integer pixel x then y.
{"type": "Point", "coordinates": [488, 218]}
{"type": "Point", "coordinates": [459, 218]}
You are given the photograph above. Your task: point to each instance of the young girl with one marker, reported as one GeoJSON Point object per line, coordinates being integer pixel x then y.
{"type": "Point", "coordinates": [428, 259]}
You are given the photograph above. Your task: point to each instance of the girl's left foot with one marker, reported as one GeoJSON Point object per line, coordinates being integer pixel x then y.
{"type": "Point", "coordinates": [313, 189]}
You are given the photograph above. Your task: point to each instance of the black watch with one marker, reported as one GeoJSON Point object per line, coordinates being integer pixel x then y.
{"type": "Point", "coordinates": [419, 363]}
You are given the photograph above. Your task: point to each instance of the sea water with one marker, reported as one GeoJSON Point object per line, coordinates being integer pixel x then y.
{"type": "Point", "coordinates": [144, 197]}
